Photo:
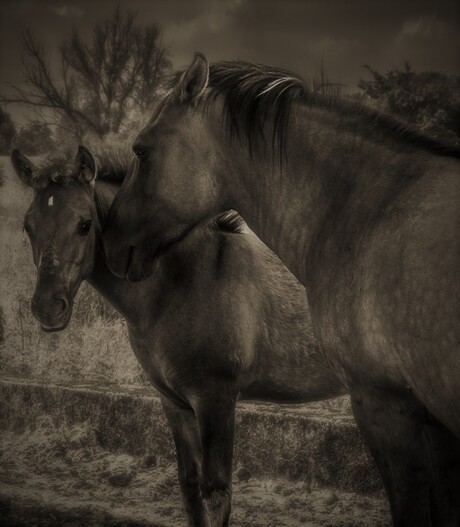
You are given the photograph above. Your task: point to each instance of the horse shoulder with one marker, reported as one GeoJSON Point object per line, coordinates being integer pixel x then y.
{"type": "Point", "coordinates": [408, 311]}
{"type": "Point", "coordinates": [284, 323]}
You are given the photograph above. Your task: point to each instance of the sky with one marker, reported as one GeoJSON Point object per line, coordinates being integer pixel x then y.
{"type": "Point", "coordinates": [294, 34]}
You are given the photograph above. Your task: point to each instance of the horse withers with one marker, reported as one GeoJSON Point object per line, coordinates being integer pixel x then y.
{"type": "Point", "coordinates": [219, 320]}
{"type": "Point", "coordinates": [365, 213]}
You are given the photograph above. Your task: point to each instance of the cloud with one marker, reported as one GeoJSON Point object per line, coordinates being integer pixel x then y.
{"type": "Point", "coordinates": [69, 11]}
{"type": "Point", "coordinates": [422, 27]}
{"type": "Point", "coordinates": [428, 43]}
{"type": "Point", "coordinates": [214, 16]}
{"type": "Point", "coordinates": [330, 46]}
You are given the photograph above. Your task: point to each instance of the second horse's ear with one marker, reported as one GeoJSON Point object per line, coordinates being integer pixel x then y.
{"type": "Point", "coordinates": [85, 166]}
{"type": "Point", "coordinates": [26, 171]}
{"type": "Point", "coordinates": [195, 79]}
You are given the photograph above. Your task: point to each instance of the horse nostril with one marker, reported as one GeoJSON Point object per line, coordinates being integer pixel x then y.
{"type": "Point", "coordinates": [52, 310]}
{"type": "Point", "coordinates": [62, 305]}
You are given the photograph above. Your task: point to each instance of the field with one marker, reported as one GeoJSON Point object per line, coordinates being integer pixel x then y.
{"type": "Point", "coordinates": [67, 466]}
{"type": "Point", "coordinates": [55, 473]}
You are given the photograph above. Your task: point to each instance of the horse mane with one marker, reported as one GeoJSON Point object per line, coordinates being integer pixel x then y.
{"type": "Point", "coordinates": [112, 167]}
{"type": "Point", "coordinates": [252, 94]}
{"type": "Point", "coordinates": [255, 94]}
{"type": "Point", "coordinates": [229, 221]}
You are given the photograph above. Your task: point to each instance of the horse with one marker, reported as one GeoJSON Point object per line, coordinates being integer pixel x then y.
{"type": "Point", "coordinates": [220, 319]}
{"type": "Point", "coordinates": [364, 212]}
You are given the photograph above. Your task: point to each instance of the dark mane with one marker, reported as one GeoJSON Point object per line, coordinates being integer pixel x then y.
{"type": "Point", "coordinates": [112, 167]}
{"type": "Point", "coordinates": [229, 221]}
{"type": "Point", "coordinates": [252, 94]}
{"type": "Point", "coordinates": [256, 95]}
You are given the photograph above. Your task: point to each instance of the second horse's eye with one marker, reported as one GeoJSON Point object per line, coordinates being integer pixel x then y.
{"type": "Point", "coordinates": [84, 227]}
{"type": "Point", "coordinates": [140, 150]}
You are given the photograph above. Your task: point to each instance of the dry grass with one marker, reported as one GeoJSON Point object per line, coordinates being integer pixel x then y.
{"type": "Point", "coordinates": [93, 348]}
{"type": "Point", "coordinates": [67, 473]}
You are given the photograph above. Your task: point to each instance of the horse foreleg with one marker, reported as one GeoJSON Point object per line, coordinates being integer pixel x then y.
{"type": "Point", "coordinates": [215, 413]}
{"type": "Point", "coordinates": [188, 450]}
{"type": "Point", "coordinates": [392, 424]}
{"type": "Point", "coordinates": [444, 449]}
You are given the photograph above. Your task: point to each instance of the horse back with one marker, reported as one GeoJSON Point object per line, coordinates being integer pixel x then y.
{"type": "Point", "coordinates": [235, 310]}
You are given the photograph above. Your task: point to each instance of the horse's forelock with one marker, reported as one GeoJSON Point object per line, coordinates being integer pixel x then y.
{"type": "Point", "coordinates": [112, 167]}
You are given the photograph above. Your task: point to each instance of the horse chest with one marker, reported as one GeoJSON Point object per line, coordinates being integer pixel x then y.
{"type": "Point", "coordinates": [148, 350]}
{"type": "Point", "coordinates": [161, 352]}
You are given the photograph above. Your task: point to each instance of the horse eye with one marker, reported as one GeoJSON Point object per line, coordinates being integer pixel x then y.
{"type": "Point", "coordinates": [84, 227]}
{"type": "Point", "coordinates": [140, 150]}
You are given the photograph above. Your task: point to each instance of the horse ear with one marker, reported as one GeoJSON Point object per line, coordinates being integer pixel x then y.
{"type": "Point", "coordinates": [85, 166]}
{"type": "Point", "coordinates": [24, 168]}
{"type": "Point", "coordinates": [195, 79]}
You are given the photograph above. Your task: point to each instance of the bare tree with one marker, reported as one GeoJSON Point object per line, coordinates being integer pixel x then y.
{"type": "Point", "coordinates": [7, 132]}
{"type": "Point", "coordinates": [121, 67]}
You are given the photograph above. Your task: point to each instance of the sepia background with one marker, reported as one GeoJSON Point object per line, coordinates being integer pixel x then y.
{"type": "Point", "coordinates": [83, 439]}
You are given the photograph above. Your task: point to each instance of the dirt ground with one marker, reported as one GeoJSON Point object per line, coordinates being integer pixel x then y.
{"type": "Point", "coordinates": [60, 476]}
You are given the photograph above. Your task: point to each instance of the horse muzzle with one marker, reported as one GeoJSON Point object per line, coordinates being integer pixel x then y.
{"type": "Point", "coordinates": [124, 260]}
{"type": "Point", "coordinates": [140, 265]}
{"type": "Point", "coordinates": [52, 311]}
{"type": "Point", "coordinates": [117, 255]}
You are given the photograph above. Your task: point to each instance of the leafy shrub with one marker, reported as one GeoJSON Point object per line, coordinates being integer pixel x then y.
{"type": "Point", "coordinates": [427, 100]}
{"type": "Point", "coordinates": [34, 139]}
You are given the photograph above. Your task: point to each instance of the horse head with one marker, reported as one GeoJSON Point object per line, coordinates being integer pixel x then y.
{"type": "Point", "coordinates": [61, 225]}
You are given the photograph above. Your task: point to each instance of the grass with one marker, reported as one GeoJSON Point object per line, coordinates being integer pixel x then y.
{"type": "Point", "coordinates": [93, 348]}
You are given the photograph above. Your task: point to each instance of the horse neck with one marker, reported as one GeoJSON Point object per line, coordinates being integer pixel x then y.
{"type": "Point", "coordinates": [125, 297]}
{"type": "Point", "coordinates": [334, 169]}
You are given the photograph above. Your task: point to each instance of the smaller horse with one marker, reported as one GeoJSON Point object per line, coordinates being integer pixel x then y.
{"type": "Point", "coordinates": [219, 320]}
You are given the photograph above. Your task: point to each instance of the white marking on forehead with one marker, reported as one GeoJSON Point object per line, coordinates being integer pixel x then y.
{"type": "Point", "coordinates": [50, 201]}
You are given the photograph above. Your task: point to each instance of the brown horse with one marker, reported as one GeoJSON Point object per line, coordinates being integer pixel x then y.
{"type": "Point", "coordinates": [221, 319]}
{"type": "Point", "coordinates": [364, 212]}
